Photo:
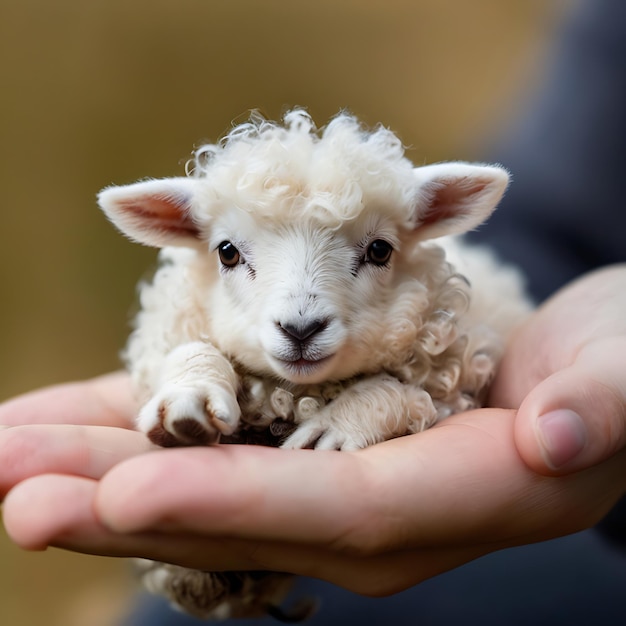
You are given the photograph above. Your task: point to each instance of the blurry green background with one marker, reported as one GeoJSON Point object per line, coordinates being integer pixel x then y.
{"type": "Point", "coordinates": [108, 91]}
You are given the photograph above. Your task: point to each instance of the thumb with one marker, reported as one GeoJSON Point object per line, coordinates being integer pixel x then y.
{"type": "Point", "coordinates": [576, 417]}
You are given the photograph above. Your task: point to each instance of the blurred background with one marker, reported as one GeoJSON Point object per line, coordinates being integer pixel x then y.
{"type": "Point", "coordinates": [109, 91]}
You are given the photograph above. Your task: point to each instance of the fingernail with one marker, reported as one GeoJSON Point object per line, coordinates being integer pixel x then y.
{"type": "Point", "coordinates": [562, 436]}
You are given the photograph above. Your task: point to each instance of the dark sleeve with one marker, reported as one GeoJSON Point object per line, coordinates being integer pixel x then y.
{"type": "Point", "coordinates": [565, 211]}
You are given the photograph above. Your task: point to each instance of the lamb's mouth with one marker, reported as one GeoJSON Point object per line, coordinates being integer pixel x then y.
{"type": "Point", "coordinates": [302, 368]}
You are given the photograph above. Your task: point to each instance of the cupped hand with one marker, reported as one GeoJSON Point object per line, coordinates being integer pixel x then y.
{"type": "Point", "coordinates": [375, 521]}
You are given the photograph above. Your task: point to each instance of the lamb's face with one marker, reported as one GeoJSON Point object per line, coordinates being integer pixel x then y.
{"type": "Point", "coordinates": [301, 301]}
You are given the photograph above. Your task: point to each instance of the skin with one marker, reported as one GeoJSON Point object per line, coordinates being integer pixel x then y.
{"type": "Point", "coordinates": [550, 460]}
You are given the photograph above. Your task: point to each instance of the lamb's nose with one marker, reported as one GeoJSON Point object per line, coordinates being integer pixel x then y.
{"type": "Point", "coordinates": [304, 329]}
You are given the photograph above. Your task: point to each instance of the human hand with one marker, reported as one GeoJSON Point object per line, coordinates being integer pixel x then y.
{"type": "Point", "coordinates": [566, 371]}
{"type": "Point", "coordinates": [375, 521]}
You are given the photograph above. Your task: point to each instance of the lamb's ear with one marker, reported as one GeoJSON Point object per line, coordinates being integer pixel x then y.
{"type": "Point", "coordinates": [456, 197]}
{"type": "Point", "coordinates": [153, 212]}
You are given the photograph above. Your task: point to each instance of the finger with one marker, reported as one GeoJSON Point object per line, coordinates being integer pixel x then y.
{"type": "Point", "coordinates": [56, 510]}
{"type": "Point", "coordinates": [88, 451]}
{"type": "Point", "coordinates": [215, 489]}
{"type": "Point", "coordinates": [459, 482]}
{"type": "Point", "coordinates": [576, 418]}
{"type": "Point", "coordinates": [45, 506]}
{"type": "Point", "coordinates": [65, 518]}
{"type": "Point", "coordinates": [105, 401]}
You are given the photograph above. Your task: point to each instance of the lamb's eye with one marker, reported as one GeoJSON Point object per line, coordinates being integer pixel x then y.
{"type": "Point", "coordinates": [229, 255]}
{"type": "Point", "coordinates": [379, 252]}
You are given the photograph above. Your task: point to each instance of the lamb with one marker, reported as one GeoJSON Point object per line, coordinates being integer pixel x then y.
{"type": "Point", "coordinates": [313, 292]}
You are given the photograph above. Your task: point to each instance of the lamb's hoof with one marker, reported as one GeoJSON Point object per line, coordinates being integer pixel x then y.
{"type": "Point", "coordinates": [320, 434]}
{"type": "Point", "coordinates": [188, 432]}
{"type": "Point", "coordinates": [188, 417]}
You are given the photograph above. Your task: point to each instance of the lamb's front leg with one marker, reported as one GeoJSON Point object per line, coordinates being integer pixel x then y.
{"type": "Point", "coordinates": [195, 399]}
{"type": "Point", "coordinates": [367, 412]}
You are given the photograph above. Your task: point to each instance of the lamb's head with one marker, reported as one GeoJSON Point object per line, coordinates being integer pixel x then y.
{"type": "Point", "coordinates": [306, 238]}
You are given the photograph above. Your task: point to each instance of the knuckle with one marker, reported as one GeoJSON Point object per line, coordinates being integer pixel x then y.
{"type": "Point", "coordinates": [20, 454]}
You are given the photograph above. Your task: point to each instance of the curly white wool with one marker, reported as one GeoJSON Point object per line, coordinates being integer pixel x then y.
{"type": "Point", "coordinates": [293, 169]}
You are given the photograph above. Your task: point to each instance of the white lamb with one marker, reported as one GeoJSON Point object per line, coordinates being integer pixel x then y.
{"type": "Point", "coordinates": [301, 302]}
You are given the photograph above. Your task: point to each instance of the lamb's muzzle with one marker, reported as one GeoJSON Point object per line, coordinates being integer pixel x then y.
{"type": "Point", "coordinates": [301, 355]}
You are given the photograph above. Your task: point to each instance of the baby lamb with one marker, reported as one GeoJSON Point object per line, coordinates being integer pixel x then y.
{"type": "Point", "coordinates": [302, 302]}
